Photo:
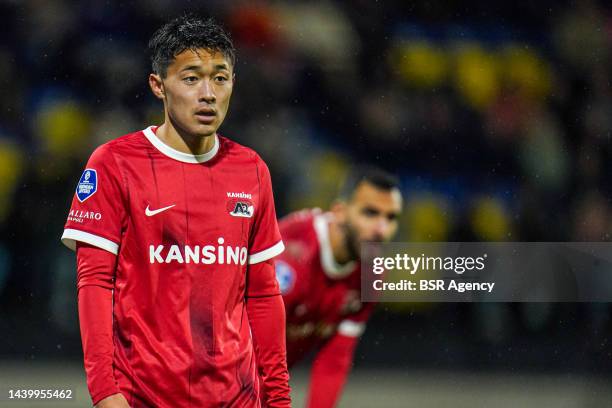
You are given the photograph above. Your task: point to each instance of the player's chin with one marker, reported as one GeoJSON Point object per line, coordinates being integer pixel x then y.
{"type": "Point", "coordinates": [206, 129]}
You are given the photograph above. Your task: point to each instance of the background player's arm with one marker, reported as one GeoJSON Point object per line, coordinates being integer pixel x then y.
{"type": "Point", "coordinates": [330, 370]}
{"type": "Point", "coordinates": [95, 270]}
{"type": "Point", "coordinates": [334, 360]}
{"type": "Point", "coordinates": [266, 313]}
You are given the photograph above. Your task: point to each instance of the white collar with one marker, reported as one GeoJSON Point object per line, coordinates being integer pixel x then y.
{"type": "Point", "coordinates": [180, 156]}
{"type": "Point", "coordinates": [331, 268]}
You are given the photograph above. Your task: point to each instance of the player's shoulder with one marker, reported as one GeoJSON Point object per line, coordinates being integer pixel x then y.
{"type": "Point", "coordinates": [299, 236]}
{"type": "Point", "coordinates": [120, 146]}
{"type": "Point", "coordinates": [304, 216]}
{"type": "Point", "coordinates": [300, 224]}
{"type": "Point", "coordinates": [237, 152]}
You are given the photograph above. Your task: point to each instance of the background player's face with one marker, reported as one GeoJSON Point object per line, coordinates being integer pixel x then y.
{"type": "Point", "coordinates": [370, 216]}
{"type": "Point", "coordinates": [196, 91]}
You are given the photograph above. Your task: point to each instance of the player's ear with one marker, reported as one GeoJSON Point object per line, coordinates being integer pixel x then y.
{"type": "Point", "coordinates": [338, 209]}
{"type": "Point", "coordinates": [157, 85]}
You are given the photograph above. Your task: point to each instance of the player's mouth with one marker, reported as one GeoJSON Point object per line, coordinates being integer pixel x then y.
{"type": "Point", "coordinates": [206, 115]}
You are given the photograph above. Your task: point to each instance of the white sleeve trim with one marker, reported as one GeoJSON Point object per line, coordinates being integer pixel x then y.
{"type": "Point", "coordinates": [70, 236]}
{"type": "Point", "coordinates": [267, 253]}
{"type": "Point", "coordinates": [350, 328]}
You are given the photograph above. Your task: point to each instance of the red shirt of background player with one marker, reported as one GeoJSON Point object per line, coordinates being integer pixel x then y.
{"type": "Point", "coordinates": [322, 298]}
{"type": "Point", "coordinates": [322, 295]}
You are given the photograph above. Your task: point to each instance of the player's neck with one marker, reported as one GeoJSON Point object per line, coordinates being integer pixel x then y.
{"type": "Point", "coordinates": [340, 251]}
{"type": "Point", "coordinates": [183, 142]}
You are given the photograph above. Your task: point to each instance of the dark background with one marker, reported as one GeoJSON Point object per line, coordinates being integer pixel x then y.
{"type": "Point", "coordinates": [496, 115]}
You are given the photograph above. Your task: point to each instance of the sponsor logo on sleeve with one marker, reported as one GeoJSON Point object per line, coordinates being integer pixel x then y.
{"type": "Point", "coordinates": [88, 185]}
{"type": "Point", "coordinates": [80, 216]}
{"type": "Point", "coordinates": [285, 275]}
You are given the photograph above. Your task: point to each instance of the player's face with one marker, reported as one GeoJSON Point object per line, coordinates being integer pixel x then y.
{"type": "Point", "coordinates": [371, 216]}
{"type": "Point", "coordinates": [196, 91]}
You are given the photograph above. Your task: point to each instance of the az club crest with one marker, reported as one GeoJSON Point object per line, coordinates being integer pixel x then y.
{"type": "Point", "coordinates": [88, 185]}
{"type": "Point", "coordinates": [240, 208]}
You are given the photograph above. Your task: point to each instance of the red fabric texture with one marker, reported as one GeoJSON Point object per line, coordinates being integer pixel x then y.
{"type": "Point", "coordinates": [330, 371]}
{"type": "Point", "coordinates": [267, 320]}
{"type": "Point", "coordinates": [95, 298]}
{"type": "Point", "coordinates": [316, 306]}
{"type": "Point", "coordinates": [170, 309]}
{"type": "Point", "coordinates": [266, 316]}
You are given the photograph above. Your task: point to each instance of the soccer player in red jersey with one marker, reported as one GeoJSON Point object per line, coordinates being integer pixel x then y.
{"type": "Point", "coordinates": [319, 276]}
{"type": "Point", "coordinates": [175, 231]}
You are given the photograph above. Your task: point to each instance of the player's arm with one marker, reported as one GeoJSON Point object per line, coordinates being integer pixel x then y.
{"type": "Point", "coordinates": [334, 360]}
{"type": "Point", "coordinates": [330, 370]}
{"type": "Point", "coordinates": [265, 309]}
{"type": "Point", "coordinates": [266, 313]}
{"type": "Point", "coordinates": [95, 270]}
{"type": "Point", "coordinates": [114, 401]}
{"type": "Point", "coordinates": [94, 229]}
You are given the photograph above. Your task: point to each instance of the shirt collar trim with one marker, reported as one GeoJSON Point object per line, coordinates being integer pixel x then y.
{"type": "Point", "coordinates": [331, 268]}
{"type": "Point", "coordinates": [175, 154]}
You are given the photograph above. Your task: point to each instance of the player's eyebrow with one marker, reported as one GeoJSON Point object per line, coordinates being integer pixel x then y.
{"type": "Point", "coordinates": [191, 68]}
{"type": "Point", "coordinates": [218, 67]}
{"type": "Point", "coordinates": [222, 66]}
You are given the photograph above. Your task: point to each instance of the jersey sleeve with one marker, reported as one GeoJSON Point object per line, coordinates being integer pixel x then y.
{"type": "Point", "coordinates": [267, 320]}
{"type": "Point", "coordinates": [355, 324]}
{"type": "Point", "coordinates": [334, 360]}
{"type": "Point", "coordinates": [287, 275]}
{"type": "Point", "coordinates": [294, 264]}
{"type": "Point", "coordinates": [265, 240]}
{"type": "Point", "coordinates": [330, 370]}
{"type": "Point", "coordinates": [97, 214]}
{"type": "Point", "coordinates": [95, 268]}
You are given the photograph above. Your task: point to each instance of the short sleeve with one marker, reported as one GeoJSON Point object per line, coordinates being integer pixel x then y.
{"type": "Point", "coordinates": [265, 240]}
{"type": "Point", "coordinates": [354, 324]}
{"type": "Point", "coordinates": [97, 213]}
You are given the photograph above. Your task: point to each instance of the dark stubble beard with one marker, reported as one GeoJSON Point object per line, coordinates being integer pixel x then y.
{"type": "Point", "coordinates": [351, 241]}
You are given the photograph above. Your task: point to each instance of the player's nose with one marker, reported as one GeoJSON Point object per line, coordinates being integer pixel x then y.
{"type": "Point", "coordinates": [207, 92]}
{"type": "Point", "coordinates": [382, 229]}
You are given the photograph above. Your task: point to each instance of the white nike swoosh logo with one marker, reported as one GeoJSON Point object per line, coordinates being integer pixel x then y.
{"type": "Point", "coordinates": [151, 213]}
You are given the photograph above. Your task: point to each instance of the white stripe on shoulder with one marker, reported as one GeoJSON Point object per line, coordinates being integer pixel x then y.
{"type": "Point", "coordinates": [70, 236]}
{"type": "Point", "coordinates": [266, 254]}
{"type": "Point", "coordinates": [350, 328]}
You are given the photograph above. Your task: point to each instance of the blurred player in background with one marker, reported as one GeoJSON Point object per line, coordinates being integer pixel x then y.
{"type": "Point", "coordinates": [319, 276]}
{"type": "Point", "coordinates": [175, 229]}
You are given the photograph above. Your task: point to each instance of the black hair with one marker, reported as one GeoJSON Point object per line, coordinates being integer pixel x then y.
{"type": "Point", "coordinates": [376, 176]}
{"type": "Point", "coordinates": [188, 32]}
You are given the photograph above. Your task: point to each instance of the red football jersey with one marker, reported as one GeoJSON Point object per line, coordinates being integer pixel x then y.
{"type": "Point", "coordinates": [184, 228]}
{"type": "Point", "coordinates": [321, 297]}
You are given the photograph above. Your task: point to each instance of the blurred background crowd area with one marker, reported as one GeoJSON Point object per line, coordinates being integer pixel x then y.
{"type": "Point", "coordinates": [497, 116]}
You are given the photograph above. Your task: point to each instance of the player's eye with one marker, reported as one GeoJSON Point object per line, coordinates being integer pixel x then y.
{"type": "Point", "coordinates": [220, 79]}
{"type": "Point", "coordinates": [190, 79]}
{"type": "Point", "coordinates": [392, 217]}
{"type": "Point", "coordinates": [369, 212]}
